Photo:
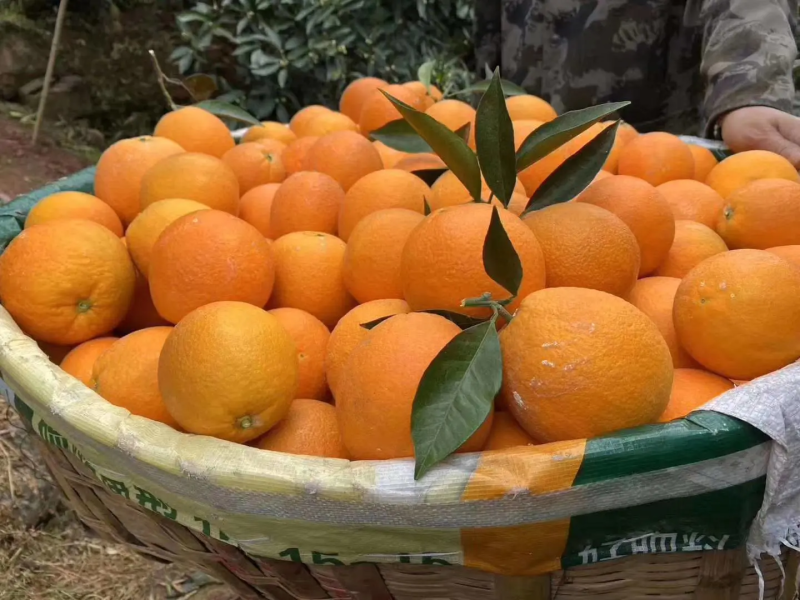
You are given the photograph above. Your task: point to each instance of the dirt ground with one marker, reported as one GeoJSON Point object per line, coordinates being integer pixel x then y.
{"type": "Point", "coordinates": [45, 552]}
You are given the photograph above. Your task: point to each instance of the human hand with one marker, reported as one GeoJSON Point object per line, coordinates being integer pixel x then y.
{"type": "Point", "coordinates": [763, 128]}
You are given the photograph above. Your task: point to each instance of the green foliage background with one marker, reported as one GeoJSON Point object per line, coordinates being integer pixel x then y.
{"type": "Point", "coordinates": [276, 56]}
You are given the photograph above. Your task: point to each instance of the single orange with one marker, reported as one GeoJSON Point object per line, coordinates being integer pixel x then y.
{"type": "Point", "coordinates": [378, 110]}
{"type": "Point", "coordinates": [79, 362]}
{"type": "Point", "coordinates": [626, 132]}
{"type": "Point", "coordinates": [330, 122]}
{"type": "Point", "coordinates": [586, 246]}
{"type": "Point", "coordinates": [294, 156]}
{"type": "Point", "coordinates": [120, 170]}
{"type": "Point", "coordinates": [272, 130]}
{"type": "Point", "coordinates": [389, 156]}
{"type": "Point", "coordinates": [655, 297]}
{"type": "Point", "coordinates": [346, 156]}
{"type": "Point", "coordinates": [374, 252]}
{"type": "Point", "coordinates": [738, 170]}
{"type": "Point", "coordinates": [529, 108]}
{"type": "Point", "coordinates": [522, 129]}
{"type": "Point", "coordinates": [643, 209]}
{"type": "Point", "coordinates": [790, 253]}
{"type": "Point", "coordinates": [762, 214]}
{"type": "Point", "coordinates": [142, 313]}
{"type": "Point", "coordinates": [704, 161]}
{"type": "Point", "coordinates": [67, 281]}
{"type": "Point", "coordinates": [301, 119]}
{"type": "Point", "coordinates": [356, 93]}
{"type": "Point", "coordinates": [255, 207]}
{"type": "Point", "coordinates": [74, 205]}
{"type": "Point", "coordinates": [145, 229]}
{"type": "Point", "coordinates": [206, 257]}
{"type": "Point", "coordinates": [126, 374]}
{"type": "Point", "coordinates": [449, 191]}
{"type": "Point", "coordinates": [442, 263]}
{"type": "Point", "coordinates": [693, 244]}
{"type": "Point", "coordinates": [428, 95]}
{"type": "Point", "coordinates": [420, 162]}
{"type": "Point", "coordinates": [272, 146]}
{"type": "Point", "coordinates": [387, 188]}
{"type": "Point", "coordinates": [560, 380]}
{"type": "Point", "coordinates": [506, 433]}
{"type": "Point", "coordinates": [380, 381]}
{"type": "Point", "coordinates": [737, 313]}
{"type": "Point", "coordinates": [657, 158]}
{"type": "Point", "coordinates": [310, 337]}
{"type": "Point", "coordinates": [348, 333]}
{"type": "Point", "coordinates": [196, 130]}
{"type": "Point", "coordinates": [691, 389]}
{"type": "Point", "coordinates": [309, 275]}
{"type": "Point", "coordinates": [454, 114]}
{"type": "Point", "coordinates": [192, 176]}
{"type": "Point", "coordinates": [692, 201]}
{"type": "Point", "coordinates": [254, 165]}
{"type": "Point", "coordinates": [228, 370]}
{"type": "Point", "coordinates": [310, 428]}
{"type": "Point", "coordinates": [306, 201]}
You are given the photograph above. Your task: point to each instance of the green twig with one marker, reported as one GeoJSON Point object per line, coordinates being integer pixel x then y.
{"type": "Point", "coordinates": [161, 79]}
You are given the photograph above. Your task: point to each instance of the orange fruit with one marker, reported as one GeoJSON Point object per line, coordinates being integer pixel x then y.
{"type": "Point", "coordinates": [66, 282]}
{"type": "Point", "coordinates": [74, 205]}
{"type": "Point", "coordinates": [704, 161]}
{"type": "Point", "coordinates": [692, 201]}
{"type": "Point", "coordinates": [693, 244]}
{"type": "Point", "coordinates": [448, 190]}
{"type": "Point", "coordinates": [228, 370]}
{"type": "Point", "coordinates": [79, 362]}
{"type": "Point", "coordinates": [310, 337]}
{"type": "Point", "coordinates": [738, 170]}
{"type": "Point", "coordinates": [255, 207]}
{"type": "Point", "coordinates": [655, 297]}
{"type": "Point", "coordinates": [270, 130]}
{"type": "Point", "coordinates": [306, 201]}
{"type": "Point", "coordinates": [380, 381]}
{"type": "Point", "coordinates": [302, 118]}
{"type": "Point", "coordinates": [309, 428]}
{"type": "Point", "coordinates": [330, 122]}
{"type": "Point", "coordinates": [389, 156]}
{"type": "Point", "coordinates": [762, 214]}
{"type": "Point", "coordinates": [387, 188]}
{"type": "Point", "coordinates": [192, 176]}
{"type": "Point", "coordinates": [120, 170]}
{"type": "Point", "coordinates": [586, 246]}
{"type": "Point", "coordinates": [737, 313]}
{"type": "Point", "coordinates": [560, 380]}
{"type": "Point", "coordinates": [126, 374]}
{"type": "Point", "coordinates": [790, 253]}
{"type": "Point", "coordinates": [294, 156]}
{"type": "Point", "coordinates": [348, 333]}
{"type": "Point", "coordinates": [142, 313]}
{"type": "Point", "coordinates": [529, 108]}
{"type": "Point", "coordinates": [428, 96]}
{"type": "Point", "coordinates": [346, 156]}
{"type": "Point", "coordinates": [522, 129]}
{"type": "Point", "coordinates": [254, 165]}
{"type": "Point", "coordinates": [657, 158]}
{"type": "Point", "coordinates": [442, 262]}
{"type": "Point", "coordinates": [691, 389]}
{"type": "Point", "coordinates": [626, 132]}
{"type": "Point", "coordinates": [195, 130]}
{"type": "Point", "coordinates": [308, 275]}
{"type": "Point", "coordinates": [374, 251]}
{"type": "Point", "coordinates": [356, 94]}
{"type": "Point", "coordinates": [517, 204]}
{"type": "Point", "coordinates": [271, 145]}
{"type": "Point", "coordinates": [506, 433]}
{"type": "Point", "coordinates": [151, 223]}
{"type": "Point", "coordinates": [643, 209]}
{"type": "Point", "coordinates": [378, 111]}
{"type": "Point", "coordinates": [420, 162]}
{"type": "Point", "coordinates": [206, 257]}
{"type": "Point", "coordinates": [454, 114]}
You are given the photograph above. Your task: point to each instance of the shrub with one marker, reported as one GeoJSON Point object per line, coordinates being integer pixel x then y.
{"type": "Point", "coordinates": [291, 53]}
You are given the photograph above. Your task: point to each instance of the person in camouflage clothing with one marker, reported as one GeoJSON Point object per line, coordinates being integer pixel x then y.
{"type": "Point", "coordinates": [696, 67]}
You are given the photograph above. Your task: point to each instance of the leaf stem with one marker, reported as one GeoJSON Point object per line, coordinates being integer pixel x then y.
{"type": "Point", "coordinates": [504, 313]}
{"type": "Point", "coordinates": [485, 301]}
{"type": "Point", "coordinates": [161, 78]}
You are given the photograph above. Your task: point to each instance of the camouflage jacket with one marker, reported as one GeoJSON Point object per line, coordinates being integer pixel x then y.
{"type": "Point", "coordinates": [682, 63]}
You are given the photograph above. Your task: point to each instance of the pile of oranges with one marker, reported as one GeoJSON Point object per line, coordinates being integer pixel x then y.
{"type": "Point", "coordinates": [221, 288]}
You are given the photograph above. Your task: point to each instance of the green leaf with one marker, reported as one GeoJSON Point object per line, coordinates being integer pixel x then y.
{"type": "Point", "coordinates": [463, 321]}
{"type": "Point", "coordinates": [509, 89]}
{"type": "Point", "coordinates": [464, 131]}
{"type": "Point", "coordinates": [401, 136]}
{"type": "Point", "coordinates": [456, 394]}
{"type": "Point", "coordinates": [560, 130]}
{"type": "Point", "coordinates": [425, 72]}
{"type": "Point", "coordinates": [500, 259]}
{"type": "Point", "coordinates": [448, 145]}
{"type": "Point", "coordinates": [427, 209]}
{"type": "Point", "coordinates": [228, 111]}
{"type": "Point", "coordinates": [576, 173]}
{"type": "Point", "coordinates": [200, 86]}
{"type": "Point", "coordinates": [429, 176]}
{"type": "Point", "coordinates": [494, 138]}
